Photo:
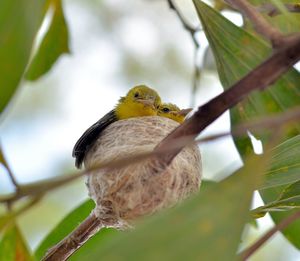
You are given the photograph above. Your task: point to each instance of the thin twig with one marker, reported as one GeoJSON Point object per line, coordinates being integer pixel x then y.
{"type": "Point", "coordinates": [272, 10]}
{"type": "Point", "coordinates": [92, 224]}
{"type": "Point", "coordinates": [187, 25]}
{"type": "Point", "coordinates": [196, 77]}
{"type": "Point", "coordinates": [282, 225]}
{"type": "Point", "coordinates": [268, 123]}
{"type": "Point", "coordinates": [192, 30]}
{"type": "Point", "coordinates": [261, 25]}
{"type": "Point", "coordinates": [11, 216]}
{"type": "Point", "coordinates": [258, 79]}
{"type": "Point", "coordinates": [261, 124]}
{"type": "Point", "coordinates": [9, 171]}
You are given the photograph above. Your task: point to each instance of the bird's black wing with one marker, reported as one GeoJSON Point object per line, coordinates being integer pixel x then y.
{"type": "Point", "coordinates": [89, 137]}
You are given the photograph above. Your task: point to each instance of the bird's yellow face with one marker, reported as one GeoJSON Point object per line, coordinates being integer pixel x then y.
{"type": "Point", "coordinates": [171, 111]}
{"type": "Point", "coordinates": [139, 101]}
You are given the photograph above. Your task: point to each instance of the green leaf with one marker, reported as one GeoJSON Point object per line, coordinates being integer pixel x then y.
{"type": "Point", "coordinates": [285, 168]}
{"type": "Point", "coordinates": [4, 221]}
{"type": "Point", "coordinates": [292, 232]}
{"type": "Point", "coordinates": [285, 164]}
{"type": "Point", "coordinates": [13, 246]}
{"type": "Point", "coordinates": [207, 184]}
{"type": "Point", "coordinates": [19, 22]}
{"type": "Point", "coordinates": [197, 229]}
{"type": "Point", "coordinates": [289, 199]}
{"type": "Point", "coordinates": [54, 44]}
{"type": "Point", "coordinates": [237, 52]}
{"type": "Point", "coordinates": [290, 191]}
{"type": "Point", "coordinates": [66, 226]}
{"type": "Point", "coordinates": [287, 22]}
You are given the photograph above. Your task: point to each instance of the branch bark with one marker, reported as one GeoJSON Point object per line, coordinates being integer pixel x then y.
{"type": "Point", "coordinates": [258, 79]}
{"type": "Point", "coordinates": [272, 10]}
{"type": "Point", "coordinates": [282, 225]}
{"type": "Point", "coordinates": [192, 30]}
{"type": "Point", "coordinates": [261, 25]}
{"type": "Point", "coordinates": [10, 173]}
{"type": "Point", "coordinates": [75, 240]}
{"type": "Point", "coordinates": [187, 26]}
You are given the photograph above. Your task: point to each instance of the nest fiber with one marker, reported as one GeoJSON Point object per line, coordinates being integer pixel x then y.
{"type": "Point", "coordinates": [122, 195]}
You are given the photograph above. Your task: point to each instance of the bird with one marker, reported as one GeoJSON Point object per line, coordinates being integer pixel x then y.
{"type": "Point", "coordinates": [142, 188]}
{"type": "Point", "coordinates": [140, 101]}
{"type": "Point", "coordinates": [123, 195]}
{"type": "Point", "coordinates": [172, 111]}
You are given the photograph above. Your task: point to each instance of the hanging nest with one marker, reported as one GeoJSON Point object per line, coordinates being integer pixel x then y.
{"type": "Point", "coordinates": [122, 195]}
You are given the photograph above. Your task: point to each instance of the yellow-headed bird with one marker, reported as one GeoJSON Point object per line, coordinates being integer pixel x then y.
{"type": "Point", "coordinates": [171, 111]}
{"type": "Point", "coordinates": [139, 101]}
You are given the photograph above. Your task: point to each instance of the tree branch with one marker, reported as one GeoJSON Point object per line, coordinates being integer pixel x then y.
{"type": "Point", "coordinates": [258, 79]}
{"type": "Point", "coordinates": [271, 122]}
{"type": "Point", "coordinates": [192, 30]}
{"type": "Point", "coordinates": [75, 240]}
{"type": "Point", "coordinates": [88, 228]}
{"type": "Point", "coordinates": [282, 225]}
{"type": "Point", "coordinates": [10, 173]}
{"type": "Point", "coordinates": [260, 124]}
{"type": "Point", "coordinates": [261, 25]}
{"type": "Point", "coordinates": [12, 215]}
{"type": "Point", "coordinates": [272, 10]}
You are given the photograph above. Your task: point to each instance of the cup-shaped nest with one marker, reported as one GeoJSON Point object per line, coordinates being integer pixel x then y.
{"type": "Point", "coordinates": [124, 194]}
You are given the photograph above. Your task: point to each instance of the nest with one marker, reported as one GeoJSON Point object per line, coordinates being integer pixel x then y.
{"type": "Point", "coordinates": [123, 195]}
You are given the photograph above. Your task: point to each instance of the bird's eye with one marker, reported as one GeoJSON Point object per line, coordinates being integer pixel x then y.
{"type": "Point", "coordinates": [136, 95]}
{"type": "Point", "coordinates": [166, 109]}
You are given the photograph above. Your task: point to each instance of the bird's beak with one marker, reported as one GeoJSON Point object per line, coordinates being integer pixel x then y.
{"type": "Point", "coordinates": [185, 112]}
{"type": "Point", "coordinates": [149, 103]}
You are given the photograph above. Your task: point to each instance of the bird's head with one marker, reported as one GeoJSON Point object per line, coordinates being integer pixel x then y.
{"type": "Point", "coordinates": [171, 111]}
{"type": "Point", "coordinates": [139, 101]}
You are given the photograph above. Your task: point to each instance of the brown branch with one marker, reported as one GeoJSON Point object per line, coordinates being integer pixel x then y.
{"type": "Point", "coordinates": [261, 25]}
{"type": "Point", "coordinates": [189, 27]}
{"type": "Point", "coordinates": [282, 225]}
{"type": "Point", "coordinates": [272, 10]}
{"type": "Point", "coordinates": [12, 215]}
{"type": "Point", "coordinates": [75, 240]}
{"type": "Point", "coordinates": [192, 30]}
{"type": "Point", "coordinates": [259, 124]}
{"type": "Point", "coordinates": [258, 79]}
{"type": "Point", "coordinates": [91, 225]}
{"type": "Point", "coordinates": [9, 171]}
{"type": "Point", "coordinates": [196, 78]}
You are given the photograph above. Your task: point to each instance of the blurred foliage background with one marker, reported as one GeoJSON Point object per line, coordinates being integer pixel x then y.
{"type": "Point", "coordinates": [113, 45]}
